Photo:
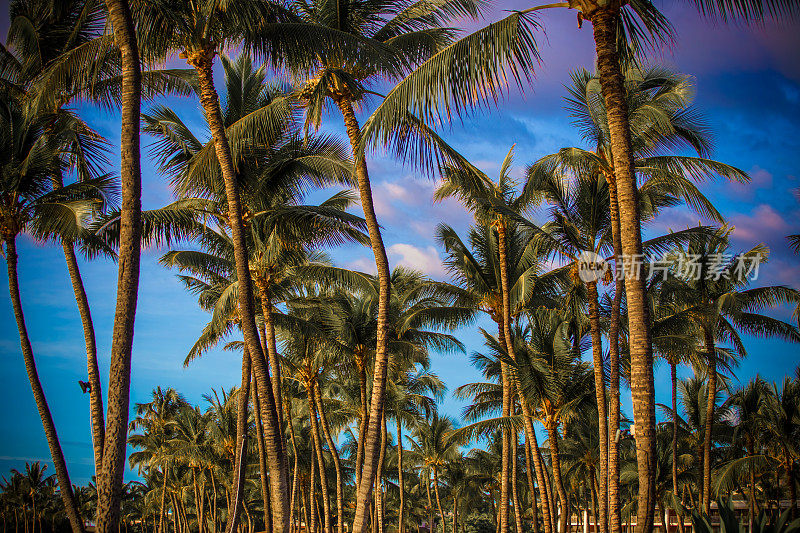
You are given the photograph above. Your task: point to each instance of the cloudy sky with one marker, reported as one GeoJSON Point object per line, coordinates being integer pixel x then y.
{"type": "Point", "coordinates": [748, 87]}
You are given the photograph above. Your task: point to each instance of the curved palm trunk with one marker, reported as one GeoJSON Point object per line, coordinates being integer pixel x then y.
{"type": "Point", "coordinates": [317, 441]}
{"type": "Point", "coordinates": [203, 61]}
{"type": "Point", "coordinates": [400, 485]}
{"type": "Point", "coordinates": [555, 458]}
{"type": "Point", "coordinates": [541, 473]}
{"type": "Point", "coordinates": [364, 422]}
{"type": "Point", "coordinates": [711, 401]}
{"type": "Point", "coordinates": [438, 498]}
{"type": "Point", "coordinates": [601, 519]}
{"type": "Point", "coordinates": [93, 372]}
{"type": "Point", "coordinates": [605, 23]}
{"type": "Point", "coordinates": [614, 514]}
{"type": "Point", "coordinates": [337, 464]}
{"type": "Point", "coordinates": [372, 440]}
{"type": "Point", "coordinates": [262, 459]}
{"type": "Point", "coordinates": [531, 487]}
{"type": "Point", "coordinates": [272, 353]}
{"type": "Point", "coordinates": [379, 478]}
{"type": "Point", "coordinates": [67, 496]}
{"type": "Point", "coordinates": [109, 482]}
{"type": "Point", "coordinates": [240, 455]}
{"type": "Point", "coordinates": [505, 333]}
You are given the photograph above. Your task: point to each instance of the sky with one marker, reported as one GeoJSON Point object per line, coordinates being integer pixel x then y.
{"type": "Point", "coordinates": [747, 86]}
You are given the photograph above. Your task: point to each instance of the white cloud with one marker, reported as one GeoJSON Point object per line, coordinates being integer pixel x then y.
{"type": "Point", "coordinates": [425, 259]}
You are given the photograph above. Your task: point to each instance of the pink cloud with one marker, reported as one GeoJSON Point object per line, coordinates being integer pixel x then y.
{"type": "Point", "coordinates": [763, 223]}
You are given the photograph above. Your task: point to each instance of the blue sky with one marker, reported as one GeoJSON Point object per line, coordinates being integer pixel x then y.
{"type": "Point", "coordinates": [748, 88]}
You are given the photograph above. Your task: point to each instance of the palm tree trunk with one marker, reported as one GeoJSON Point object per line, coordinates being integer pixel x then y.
{"type": "Point", "coordinates": [505, 334]}
{"type": "Point", "coordinates": [601, 520]}
{"type": "Point", "coordinates": [430, 502]}
{"type": "Point", "coordinates": [372, 441]}
{"type": "Point", "coordinates": [514, 487]}
{"type": "Point", "coordinates": [272, 353]}
{"type": "Point", "coordinates": [379, 477]}
{"type": "Point", "coordinates": [438, 498]}
{"type": "Point", "coordinates": [317, 441]}
{"type": "Point", "coordinates": [67, 496]}
{"type": "Point", "coordinates": [614, 514]}
{"type": "Point", "coordinates": [312, 489]}
{"type": "Point", "coordinates": [240, 454]}
{"type": "Point", "coordinates": [262, 459]}
{"type": "Point", "coordinates": [605, 21]}
{"type": "Point", "coordinates": [163, 497]}
{"type": "Point", "coordinates": [364, 422]}
{"type": "Point", "coordinates": [295, 469]}
{"type": "Point", "coordinates": [400, 485]}
{"type": "Point", "coordinates": [711, 401]}
{"type": "Point", "coordinates": [594, 505]}
{"type": "Point", "coordinates": [337, 464]}
{"type": "Point", "coordinates": [552, 432]}
{"type": "Point", "coordinates": [674, 380]}
{"type": "Point", "coordinates": [541, 473]}
{"type": "Point", "coordinates": [790, 482]}
{"type": "Point", "coordinates": [203, 61]}
{"type": "Point", "coordinates": [109, 482]}
{"type": "Point", "coordinates": [93, 372]}
{"type": "Point", "coordinates": [531, 487]}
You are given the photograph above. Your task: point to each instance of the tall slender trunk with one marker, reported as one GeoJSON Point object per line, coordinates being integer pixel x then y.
{"type": "Point", "coordinates": [790, 482]}
{"type": "Point", "coordinates": [202, 60]}
{"type": "Point", "coordinates": [674, 380]}
{"type": "Point", "coordinates": [541, 472]}
{"type": "Point", "coordinates": [431, 527]}
{"type": "Point", "coordinates": [364, 420]}
{"type": "Point", "coordinates": [531, 487]}
{"type": "Point", "coordinates": [295, 469]}
{"type": "Point", "coordinates": [601, 519]}
{"type": "Point", "coordinates": [240, 454]}
{"type": "Point", "coordinates": [317, 442]}
{"type": "Point", "coordinates": [272, 354]}
{"type": "Point", "coordinates": [109, 483]}
{"type": "Point", "coordinates": [163, 497]}
{"type": "Point", "coordinates": [93, 372]}
{"type": "Point", "coordinates": [505, 333]}
{"type": "Point", "coordinates": [438, 498]}
{"type": "Point", "coordinates": [711, 401]}
{"type": "Point", "coordinates": [514, 487]}
{"type": "Point", "coordinates": [605, 22]}
{"type": "Point", "coordinates": [372, 441]}
{"type": "Point", "coordinates": [67, 496]}
{"type": "Point", "coordinates": [594, 495]}
{"type": "Point", "coordinates": [337, 464]}
{"type": "Point", "coordinates": [400, 485]}
{"type": "Point", "coordinates": [379, 508]}
{"type": "Point", "coordinates": [614, 510]}
{"type": "Point", "coordinates": [555, 458]}
{"type": "Point", "coordinates": [262, 459]}
{"type": "Point", "coordinates": [312, 489]}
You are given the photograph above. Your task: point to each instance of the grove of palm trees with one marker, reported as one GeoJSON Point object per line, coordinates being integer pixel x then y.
{"type": "Point", "coordinates": [330, 267]}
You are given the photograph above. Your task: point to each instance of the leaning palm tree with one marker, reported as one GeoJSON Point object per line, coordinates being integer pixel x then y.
{"type": "Point", "coordinates": [33, 145]}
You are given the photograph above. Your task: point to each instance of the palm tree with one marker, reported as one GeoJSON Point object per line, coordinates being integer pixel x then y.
{"type": "Point", "coordinates": [783, 417]}
{"type": "Point", "coordinates": [750, 405]}
{"type": "Point", "coordinates": [433, 448]}
{"type": "Point", "coordinates": [714, 298]}
{"type": "Point", "coordinates": [34, 204]}
{"type": "Point", "coordinates": [199, 32]}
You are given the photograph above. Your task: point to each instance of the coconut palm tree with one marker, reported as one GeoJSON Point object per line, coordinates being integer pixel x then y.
{"type": "Point", "coordinates": [783, 417]}
{"type": "Point", "coordinates": [714, 298]}
{"type": "Point", "coordinates": [35, 205]}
